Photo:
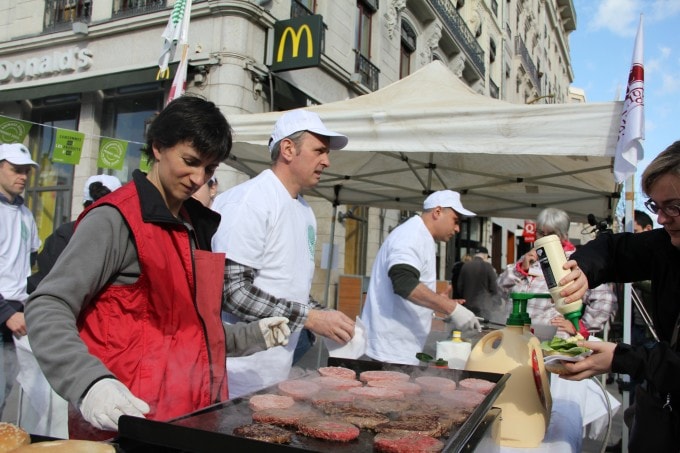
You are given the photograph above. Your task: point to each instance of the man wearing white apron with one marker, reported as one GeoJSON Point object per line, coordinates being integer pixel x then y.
{"type": "Point", "coordinates": [268, 232]}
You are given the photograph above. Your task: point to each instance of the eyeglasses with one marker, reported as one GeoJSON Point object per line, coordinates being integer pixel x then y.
{"type": "Point", "coordinates": [672, 210]}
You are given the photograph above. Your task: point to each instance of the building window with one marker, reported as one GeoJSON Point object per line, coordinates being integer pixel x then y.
{"type": "Point", "coordinates": [492, 51]}
{"type": "Point", "coordinates": [302, 8]}
{"type": "Point", "coordinates": [126, 114]}
{"type": "Point", "coordinates": [494, 7]}
{"type": "Point", "coordinates": [60, 14]}
{"type": "Point", "coordinates": [126, 8]}
{"type": "Point", "coordinates": [408, 46]}
{"type": "Point", "coordinates": [50, 191]}
{"type": "Point", "coordinates": [363, 66]}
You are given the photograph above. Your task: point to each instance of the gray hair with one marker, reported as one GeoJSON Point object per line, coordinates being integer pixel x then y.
{"type": "Point", "coordinates": [295, 138]}
{"type": "Point", "coordinates": [554, 221]}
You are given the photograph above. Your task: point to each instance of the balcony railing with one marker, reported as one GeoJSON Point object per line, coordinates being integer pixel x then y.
{"type": "Point", "coordinates": [128, 8]}
{"type": "Point", "coordinates": [461, 33]}
{"type": "Point", "coordinates": [527, 62]}
{"type": "Point", "coordinates": [368, 71]}
{"type": "Point", "coordinates": [60, 14]}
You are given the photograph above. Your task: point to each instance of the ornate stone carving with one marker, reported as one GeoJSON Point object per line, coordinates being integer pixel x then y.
{"type": "Point", "coordinates": [458, 65]}
{"type": "Point", "coordinates": [393, 15]}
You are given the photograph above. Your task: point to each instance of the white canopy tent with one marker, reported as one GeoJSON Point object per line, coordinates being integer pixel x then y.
{"type": "Point", "coordinates": [430, 131]}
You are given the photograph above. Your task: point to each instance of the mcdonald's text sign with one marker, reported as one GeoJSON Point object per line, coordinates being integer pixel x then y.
{"type": "Point", "coordinates": [297, 43]}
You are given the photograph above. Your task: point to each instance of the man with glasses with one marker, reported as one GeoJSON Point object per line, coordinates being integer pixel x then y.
{"type": "Point", "coordinates": [402, 297]}
{"type": "Point", "coordinates": [18, 247]}
{"type": "Point", "coordinates": [651, 255]}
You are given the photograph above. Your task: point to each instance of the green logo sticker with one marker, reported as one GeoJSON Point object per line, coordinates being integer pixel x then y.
{"type": "Point", "coordinates": [13, 130]}
{"type": "Point", "coordinates": [67, 147]}
{"type": "Point", "coordinates": [112, 153]}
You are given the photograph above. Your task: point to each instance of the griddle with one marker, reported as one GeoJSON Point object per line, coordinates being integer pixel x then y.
{"type": "Point", "coordinates": [210, 429]}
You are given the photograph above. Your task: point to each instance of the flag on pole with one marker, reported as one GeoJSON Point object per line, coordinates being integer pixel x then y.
{"type": "Point", "coordinates": [632, 129]}
{"type": "Point", "coordinates": [179, 83]}
{"type": "Point", "coordinates": [171, 36]}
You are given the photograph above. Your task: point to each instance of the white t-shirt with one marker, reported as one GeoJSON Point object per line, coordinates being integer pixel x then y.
{"type": "Point", "coordinates": [19, 235]}
{"type": "Point", "coordinates": [263, 227]}
{"type": "Point", "coordinates": [396, 328]}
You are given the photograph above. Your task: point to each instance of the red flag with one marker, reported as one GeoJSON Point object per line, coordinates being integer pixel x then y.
{"type": "Point", "coordinates": [632, 129]}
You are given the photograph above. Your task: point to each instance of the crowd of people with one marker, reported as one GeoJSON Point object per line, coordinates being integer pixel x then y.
{"type": "Point", "coordinates": [215, 285]}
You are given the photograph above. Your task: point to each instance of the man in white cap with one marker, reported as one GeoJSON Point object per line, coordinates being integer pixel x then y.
{"type": "Point", "coordinates": [268, 232]}
{"type": "Point", "coordinates": [95, 188]}
{"type": "Point", "coordinates": [402, 297]}
{"type": "Point", "coordinates": [19, 243]}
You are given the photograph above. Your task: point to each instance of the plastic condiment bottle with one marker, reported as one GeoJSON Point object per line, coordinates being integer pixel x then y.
{"type": "Point", "coordinates": [551, 257]}
{"type": "Point", "coordinates": [456, 350]}
{"type": "Point", "coordinates": [525, 401]}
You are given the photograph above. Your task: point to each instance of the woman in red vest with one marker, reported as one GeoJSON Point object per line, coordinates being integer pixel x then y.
{"type": "Point", "coordinates": [128, 320]}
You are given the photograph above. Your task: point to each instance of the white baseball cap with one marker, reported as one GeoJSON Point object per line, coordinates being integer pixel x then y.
{"type": "Point", "coordinates": [303, 120]}
{"type": "Point", "coordinates": [111, 182]}
{"type": "Point", "coordinates": [17, 154]}
{"type": "Point", "coordinates": [446, 199]}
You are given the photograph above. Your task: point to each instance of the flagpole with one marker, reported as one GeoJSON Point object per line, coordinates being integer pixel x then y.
{"type": "Point", "coordinates": [629, 152]}
{"type": "Point", "coordinates": [179, 82]}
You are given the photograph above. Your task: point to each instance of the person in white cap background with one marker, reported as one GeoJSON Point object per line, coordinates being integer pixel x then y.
{"type": "Point", "coordinates": [95, 188]}
{"type": "Point", "coordinates": [19, 244]}
{"type": "Point", "coordinates": [268, 232]}
{"type": "Point", "coordinates": [402, 297]}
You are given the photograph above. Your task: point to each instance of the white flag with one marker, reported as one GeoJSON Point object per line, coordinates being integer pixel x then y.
{"type": "Point", "coordinates": [172, 35]}
{"type": "Point", "coordinates": [632, 129]}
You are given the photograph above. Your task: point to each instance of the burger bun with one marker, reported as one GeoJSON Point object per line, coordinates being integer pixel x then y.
{"type": "Point", "coordinates": [11, 437]}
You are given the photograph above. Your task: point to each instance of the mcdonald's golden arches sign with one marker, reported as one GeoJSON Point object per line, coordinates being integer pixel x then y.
{"type": "Point", "coordinates": [297, 43]}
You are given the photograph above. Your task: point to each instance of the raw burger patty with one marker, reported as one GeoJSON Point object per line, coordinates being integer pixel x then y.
{"type": "Point", "coordinates": [463, 398]}
{"type": "Point", "coordinates": [328, 429]}
{"type": "Point", "coordinates": [435, 383]}
{"type": "Point", "coordinates": [338, 372]}
{"type": "Point", "coordinates": [330, 397]}
{"type": "Point", "coordinates": [376, 392]}
{"type": "Point", "coordinates": [264, 432]}
{"type": "Point", "coordinates": [407, 388]}
{"type": "Point", "coordinates": [268, 401]}
{"type": "Point", "coordinates": [299, 389]}
{"type": "Point", "coordinates": [380, 375]}
{"type": "Point", "coordinates": [335, 383]}
{"type": "Point", "coordinates": [477, 385]}
{"type": "Point", "coordinates": [406, 443]}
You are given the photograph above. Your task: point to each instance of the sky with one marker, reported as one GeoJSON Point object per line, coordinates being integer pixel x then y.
{"type": "Point", "coordinates": [601, 55]}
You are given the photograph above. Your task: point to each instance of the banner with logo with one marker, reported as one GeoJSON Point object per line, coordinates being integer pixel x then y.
{"type": "Point", "coordinates": [297, 43]}
{"type": "Point", "coordinates": [13, 130]}
{"type": "Point", "coordinates": [112, 153]}
{"type": "Point", "coordinates": [529, 233]}
{"type": "Point", "coordinates": [67, 147]}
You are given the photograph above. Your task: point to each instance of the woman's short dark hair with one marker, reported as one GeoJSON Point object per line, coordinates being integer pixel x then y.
{"type": "Point", "coordinates": [194, 120]}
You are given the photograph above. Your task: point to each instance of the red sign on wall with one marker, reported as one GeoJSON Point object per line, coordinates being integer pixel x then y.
{"type": "Point", "coordinates": [529, 233]}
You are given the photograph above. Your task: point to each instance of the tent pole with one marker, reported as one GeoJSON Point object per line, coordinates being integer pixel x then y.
{"type": "Point", "coordinates": [331, 245]}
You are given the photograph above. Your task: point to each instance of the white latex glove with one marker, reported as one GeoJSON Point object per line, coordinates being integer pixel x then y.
{"type": "Point", "coordinates": [464, 319]}
{"type": "Point", "coordinates": [275, 331]}
{"type": "Point", "coordinates": [107, 400]}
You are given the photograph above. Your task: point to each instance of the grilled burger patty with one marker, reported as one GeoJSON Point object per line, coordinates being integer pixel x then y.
{"type": "Point", "coordinates": [264, 432]}
{"type": "Point", "coordinates": [407, 442]}
{"type": "Point", "coordinates": [328, 429]}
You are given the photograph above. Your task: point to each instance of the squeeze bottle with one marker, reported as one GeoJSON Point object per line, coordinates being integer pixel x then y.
{"type": "Point", "coordinates": [551, 257]}
{"type": "Point", "coordinates": [525, 401]}
{"type": "Point", "coordinates": [456, 351]}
